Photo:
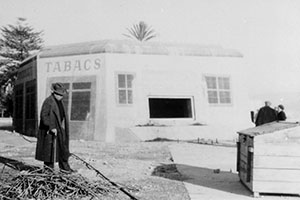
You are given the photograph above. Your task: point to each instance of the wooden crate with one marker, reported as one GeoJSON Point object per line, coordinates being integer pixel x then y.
{"type": "Point", "coordinates": [268, 158]}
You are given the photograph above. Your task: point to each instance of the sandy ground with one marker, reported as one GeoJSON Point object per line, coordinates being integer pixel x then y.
{"type": "Point", "coordinates": [153, 170]}
{"type": "Point", "coordinates": [145, 169]}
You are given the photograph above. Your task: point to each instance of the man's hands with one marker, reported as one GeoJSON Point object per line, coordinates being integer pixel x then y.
{"type": "Point", "coordinates": [54, 131]}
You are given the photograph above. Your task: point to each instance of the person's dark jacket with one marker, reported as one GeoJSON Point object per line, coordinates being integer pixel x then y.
{"type": "Point", "coordinates": [265, 115]}
{"type": "Point", "coordinates": [50, 119]}
{"type": "Point", "coordinates": [281, 116]}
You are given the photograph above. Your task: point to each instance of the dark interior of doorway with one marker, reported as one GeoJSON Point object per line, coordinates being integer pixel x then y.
{"type": "Point", "coordinates": [170, 108]}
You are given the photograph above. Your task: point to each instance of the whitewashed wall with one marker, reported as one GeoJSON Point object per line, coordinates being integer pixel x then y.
{"type": "Point", "coordinates": [154, 75]}
{"type": "Point", "coordinates": [159, 75]}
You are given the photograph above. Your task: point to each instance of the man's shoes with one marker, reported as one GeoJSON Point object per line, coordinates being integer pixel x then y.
{"type": "Point", "coordinates": [73, 170]}
{"type": "Point", "coordinates": [70, 171]}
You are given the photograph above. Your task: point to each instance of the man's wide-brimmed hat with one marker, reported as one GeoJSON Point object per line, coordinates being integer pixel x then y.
{"type": "Point", "coordinates": [59, 89]}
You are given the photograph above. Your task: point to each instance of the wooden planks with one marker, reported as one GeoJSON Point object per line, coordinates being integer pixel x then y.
{"type": "Point", "coordinates": [276, 187]}
{"type": "Point", "coordinates": [287, 149]}
{"type": "Point", "coordinates": [277, 162]}
{"type": "Point", "coordinates": [277, 175]}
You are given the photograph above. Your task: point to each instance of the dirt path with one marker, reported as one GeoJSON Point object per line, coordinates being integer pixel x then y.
{"type": "Point", "coordinates": [147, 168]}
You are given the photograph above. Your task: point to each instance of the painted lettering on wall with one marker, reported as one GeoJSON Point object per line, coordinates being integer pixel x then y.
{"type": "Point", "coordinates": [73, 65]}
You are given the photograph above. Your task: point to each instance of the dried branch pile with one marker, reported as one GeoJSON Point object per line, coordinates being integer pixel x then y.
{"type": "Point", "coordinates": [46, 184]}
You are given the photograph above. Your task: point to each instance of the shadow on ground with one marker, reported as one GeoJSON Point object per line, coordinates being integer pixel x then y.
{"type": "Point", "coordinates": [168, 171]}
{"type": "Point", "coordinates": [211, 178]}
{"type": "Point", "coordinates": [6, 127]}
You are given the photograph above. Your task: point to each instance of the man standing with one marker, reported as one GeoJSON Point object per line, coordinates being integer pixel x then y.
{"type": "Point", "coordinates": [265, 114]}
{"type": "Point", "coordinates": [53, 134]}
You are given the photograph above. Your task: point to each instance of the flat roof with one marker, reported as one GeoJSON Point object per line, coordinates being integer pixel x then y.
{"type": "Point", "coordinates": [136, 47]}
{"type": "Point", "coordinates": [268, 128]}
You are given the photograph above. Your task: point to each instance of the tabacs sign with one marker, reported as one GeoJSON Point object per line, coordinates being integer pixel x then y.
{"type": "Point", "coordinates": [73, 65]}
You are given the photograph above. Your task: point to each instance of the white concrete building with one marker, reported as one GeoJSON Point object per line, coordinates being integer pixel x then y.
{"type": "Point", "coordinates": [125, 90]}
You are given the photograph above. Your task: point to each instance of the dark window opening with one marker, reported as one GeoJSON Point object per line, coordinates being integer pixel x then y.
{"type": "Point", "coordinates": [170, 108]}
{"type": "Point", "coordinates": [19, 101]}
{"type": "Point", "coordinates": [30, 100]}
{"type": "Point", "coordinates": [80, 105]}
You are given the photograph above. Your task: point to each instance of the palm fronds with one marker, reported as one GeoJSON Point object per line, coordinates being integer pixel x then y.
{"type": "Point", "coordinates": [141, 32]}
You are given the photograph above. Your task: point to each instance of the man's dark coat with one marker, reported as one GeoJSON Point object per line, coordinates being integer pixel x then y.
{"type": "Point", "coordinates": [50, 119]}
{"type": "Point", "coordinates": [265, 115]}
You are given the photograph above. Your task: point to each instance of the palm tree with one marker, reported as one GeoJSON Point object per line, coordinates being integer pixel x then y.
{"type": "Point", "coordinates": [141, 32]}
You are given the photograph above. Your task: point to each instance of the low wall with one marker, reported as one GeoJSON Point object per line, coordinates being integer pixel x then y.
{"type": "Point", "coordinates": [143, 133]}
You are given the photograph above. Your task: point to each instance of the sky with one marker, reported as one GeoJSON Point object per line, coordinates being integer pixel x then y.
{"type": "Point", "coordinates": [266, 32]}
